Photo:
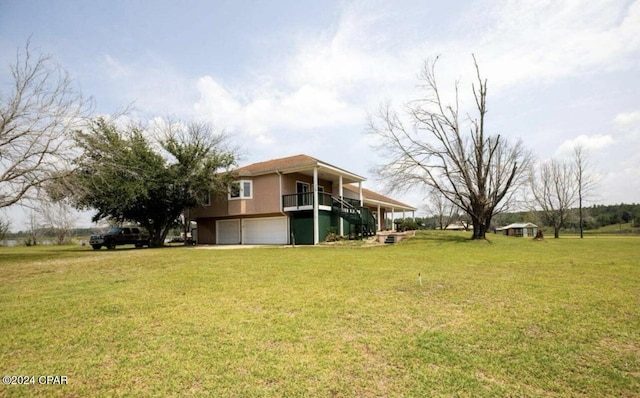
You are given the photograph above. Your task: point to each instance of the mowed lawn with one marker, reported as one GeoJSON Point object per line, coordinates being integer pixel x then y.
{"type": "Point", "coordinates": [513, 317]}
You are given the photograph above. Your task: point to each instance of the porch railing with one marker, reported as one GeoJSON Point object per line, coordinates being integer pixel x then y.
{"type": "Point", "coordinates": [301, 201]}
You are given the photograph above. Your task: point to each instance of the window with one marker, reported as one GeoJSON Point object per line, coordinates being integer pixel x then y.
{"type": "Point", "coordinates": [206, 199]}
{"type": "Point", "coordinates": [242, 189]}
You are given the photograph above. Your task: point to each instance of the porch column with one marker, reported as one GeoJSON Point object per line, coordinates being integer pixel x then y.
{"type": "Point", "coordinates": [360, 192]}
{"type": "Point", "coordinates": [340, 194]}
{"type": "Point", "coordinates": [379, 218]}
{"type": "Point", "coordinates": [393, 219]}
{"type": "Point", "coordinates": [316, 223]}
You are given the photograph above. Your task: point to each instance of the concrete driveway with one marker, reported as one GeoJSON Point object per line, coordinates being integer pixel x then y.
{"type": "Point", "coordinates": [232, 247]}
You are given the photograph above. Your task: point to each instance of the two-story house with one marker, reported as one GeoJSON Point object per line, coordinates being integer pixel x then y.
{"type": "Point", "coordinates": [297, 199]}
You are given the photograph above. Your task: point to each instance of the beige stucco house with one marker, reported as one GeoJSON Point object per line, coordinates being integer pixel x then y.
{"type": "Point", "coordinates": [297, 199]}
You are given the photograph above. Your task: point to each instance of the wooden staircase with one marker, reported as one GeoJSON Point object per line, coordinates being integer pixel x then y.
{"type": "Point", "coordinates": [358, 216]}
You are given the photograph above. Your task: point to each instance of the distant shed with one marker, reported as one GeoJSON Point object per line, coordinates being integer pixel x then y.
{"type": "Point", "coordinates": [519, 229]}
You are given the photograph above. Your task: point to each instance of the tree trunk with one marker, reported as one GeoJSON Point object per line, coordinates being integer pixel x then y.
{"type": "Point", "coordinates": [156, 237]}
{"type": "Point", "coordinates": [556, 232]}
{"type": "Point", "coordinates": [479, 229]}
{"type": "Point", "coordinates": [580, 209]}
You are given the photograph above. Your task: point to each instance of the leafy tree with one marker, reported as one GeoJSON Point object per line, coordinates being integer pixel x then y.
{"type": "Point", "coordinates": [126, 176]}
{"type": "Point", "coordinates": [478, 173]}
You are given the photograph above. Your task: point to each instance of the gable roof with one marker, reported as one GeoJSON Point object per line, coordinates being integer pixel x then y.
{"type": "Point", "coordinates": [273, 165]}
{"type": "Point", "coordinates": [517, 226]}
{"type": "Point", "coordinates": [374, 197]}
{"type": "Point", "coordinates": [292, 164]}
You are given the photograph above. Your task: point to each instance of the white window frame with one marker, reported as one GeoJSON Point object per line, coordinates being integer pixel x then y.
{"type": "Point", "coordinates": [242, 193]}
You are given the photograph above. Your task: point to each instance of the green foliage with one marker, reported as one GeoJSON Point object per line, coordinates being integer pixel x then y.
{"type": "Point", "coordinates": [333, 236]}
{"type": "Point", "coordinates": [406, 224]}
{"type": "Point", "coordinates": [123, 176]}
{"type": "Point", "coordinates": [514, 317]}
{"type": "Point", "coordinates": [595, 217]}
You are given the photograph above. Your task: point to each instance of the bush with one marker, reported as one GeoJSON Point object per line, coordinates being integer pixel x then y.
{"type": "Point", "coordinates": [406, 225]}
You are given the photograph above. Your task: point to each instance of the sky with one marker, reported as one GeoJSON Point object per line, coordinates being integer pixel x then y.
{"type": "Point", "coordinates": [291, 77]}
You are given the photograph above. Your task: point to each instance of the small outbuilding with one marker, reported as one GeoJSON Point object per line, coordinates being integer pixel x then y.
{"type": "Point", "coordinates": [519, 229]}
{"type": "Point", "coordinates": [457, 226]}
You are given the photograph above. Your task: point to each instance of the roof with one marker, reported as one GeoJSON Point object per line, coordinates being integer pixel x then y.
{"type": "Point", "coordinates": [457, 226]}
{"type": "Point", "coordinates": [293, 164]}
{"type": "Point", "coordinates": [517, 226]}
{"type": "Point", "coordinates": [305, 163]}
{"type": "Point", "coordinates": [274, 165]}
{"type": "Point", "coordinates": [375, 197]}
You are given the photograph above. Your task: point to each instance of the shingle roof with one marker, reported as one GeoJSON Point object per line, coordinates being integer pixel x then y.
{"type": "Point", "coordinates": [369, 194]}
{"type": "Point", "coordinates": [294, 163]}
{"type": "Point", "coordinates": [279, 164]}
{"type": "Point", "coordinates": [517, 225]}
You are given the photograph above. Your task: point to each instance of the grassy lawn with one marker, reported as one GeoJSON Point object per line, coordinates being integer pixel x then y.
{"type": "Point", "coordinates": [512, 317]}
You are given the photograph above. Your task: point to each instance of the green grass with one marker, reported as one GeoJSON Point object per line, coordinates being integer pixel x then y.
{"type": "Point", "coordinates": [615, 229]}
{"type": "Point", "coordinates": [512, 317]}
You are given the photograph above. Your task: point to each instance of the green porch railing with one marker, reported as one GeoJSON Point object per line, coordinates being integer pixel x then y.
{"type": "Point", "coordinates": [350, 210]}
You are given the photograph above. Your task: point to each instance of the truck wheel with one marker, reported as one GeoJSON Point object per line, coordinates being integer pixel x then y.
{"type": "Point", "coordinates": [111, 245]}
{"type": "Point", "coordinates": [96, 247]}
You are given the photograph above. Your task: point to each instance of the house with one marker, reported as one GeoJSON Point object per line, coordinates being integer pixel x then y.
{"type": "Point", "coordinates": [297, 199]}
{"type": "Point", "coordinates": [521, 229]}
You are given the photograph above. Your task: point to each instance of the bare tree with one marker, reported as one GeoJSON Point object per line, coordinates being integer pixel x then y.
{"type": "Point", "coordinates": [586, 180]}
{"type": "Point", "coordinates": [36, 115]}
{"type": "Point", "coordinates": [34, 229]}
{"type": "Point", "coordinates": [4, 229]}
{"type": "Point", "coordinates": [478, 172]}
{"type": "Point", "coordinates": [59, 218]}
{"type": "Point", "coordinates": [442, 209]}
{"type": "Point", "coordinates": [554, 192]}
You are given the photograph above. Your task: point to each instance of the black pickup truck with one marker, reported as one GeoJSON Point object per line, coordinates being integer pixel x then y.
{"type": "Point", "coordinates": [119, 236]}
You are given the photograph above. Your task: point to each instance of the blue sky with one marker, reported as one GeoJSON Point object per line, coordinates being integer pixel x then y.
{"type": "Point", "coordinates": [289, 77]}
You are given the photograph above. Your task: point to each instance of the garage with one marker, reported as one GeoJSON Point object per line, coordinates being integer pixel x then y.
{"type": "Point", "coordinates": [265, 231]}
{"type": "Point", "coordinates": [228, 232]}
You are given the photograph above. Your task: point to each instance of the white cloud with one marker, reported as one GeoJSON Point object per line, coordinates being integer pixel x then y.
{"type": "Point", "coordinates": [627, 120]}
{"type": "Point", "coordinates": [590, 142]}
{"type": "Point", "coordinates": [541, 40]}
{"type": "Point", "coordinates": [264, 112]}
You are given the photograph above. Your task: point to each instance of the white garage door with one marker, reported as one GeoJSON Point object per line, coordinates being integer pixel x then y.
{"type": "Point", "coordinates": [228, 232]}
{"type": "Point", "coordinates": [265, 231]}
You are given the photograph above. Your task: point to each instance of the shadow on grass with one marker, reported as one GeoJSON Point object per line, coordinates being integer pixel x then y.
{"type": "Point", "coordinates": [23, 254]}
{"type": "Point", "coordinates": [446, 237]}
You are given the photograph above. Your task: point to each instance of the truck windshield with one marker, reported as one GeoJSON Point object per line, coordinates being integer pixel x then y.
{"type": "Point", "coordinates": [113, 231]}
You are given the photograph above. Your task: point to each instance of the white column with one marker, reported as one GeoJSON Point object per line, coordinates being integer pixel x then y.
{"type": "Point", "coordinates": [316, 223]}
{"type": "Point", "coordinates": [393, 218]}
{"type": "Point", "coordinates": [379, 218]}
{"type": "Point", "coordinates": [360, 192]}
{"type": "Point", "coordinates": [340, 194]}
